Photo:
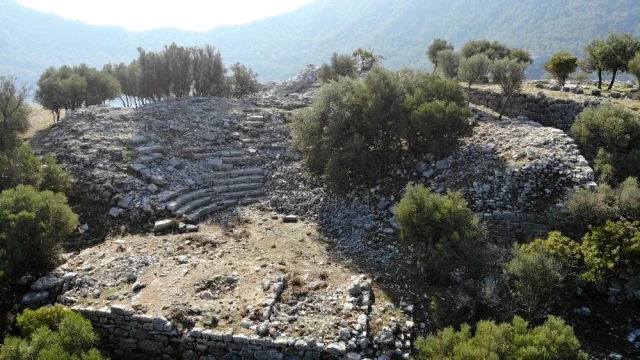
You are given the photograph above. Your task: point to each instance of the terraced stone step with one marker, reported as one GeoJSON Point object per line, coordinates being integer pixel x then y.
{"type": "Point", "coordinates": [232, 173]}
{"type": "Point", "coordinates": [185, 198]}
{"type": "Point", "coordinates": [145, 150]}
{"type": "Point", "coordinates": [166, 196]}
{"type": "Point", "coordinates": [240, 195]}
{"type": "Point", "coordinates": [198, 154]}
{"type": "Point", "coordinates": [238, 180]}
{"type": "Point", "coordinates": [209, 209]}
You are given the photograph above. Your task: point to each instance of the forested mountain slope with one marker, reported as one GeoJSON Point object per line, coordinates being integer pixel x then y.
{"type": "Point", "coordinates": [280, 46]}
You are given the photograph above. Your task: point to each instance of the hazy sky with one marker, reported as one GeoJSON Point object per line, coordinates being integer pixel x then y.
{"type": "Point", "coordinates": [149, 14]}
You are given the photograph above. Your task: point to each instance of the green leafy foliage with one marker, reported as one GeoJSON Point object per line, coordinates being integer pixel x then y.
{"type": "Point", "coordinates": [474, 69]}
{"type": "Point", "coordinates": [21, 166]}
{"type": "Point", "coordinates": [619, 49]}
{"type": "Point", "coordinates": [352, 124]}
{"type": "Point", "coordinates": [32, 226]}
{"type": "Point", "coordinates": [593, 207]}
{"type": "Point", "coordinates": [69, 88]}
{"type": "Point", "coordinates": [561, 65]}
{"type": "Point", "coordinates": [609, 136]}
{"type": "Point", "coordinates": [539, 270]}
{"type": "Point", "coordinates": [433, 50]}
{"type": "Point", "coordinates": [516, 341]}
{"type": "Point", "coordinates": [366, 59]}
{"type": "Point", "coordinates": [243, 82]}
{"type": "Point", "coordinates": [441, 227]}
{"type": "Point", "coordinates": [341, 65]}
{"type": "Point", "coordinates": [52, 333]}
{"type": "Point", "coordinates": [634, 67]}
{"type": "Point", "coordinates": [438, 116]}
{"type": "Point", "coordinates": [14, 113]}
{"type": "Point", "coordinates": [346, 129]}
{"type": "Point", "coordinates": [449, 63]}
{"type": "Point", "coordinates": [208, 72]}
{"type": "Point", "coordinates": [493, 50]}
{"type": "Point", "coordinates": [509, 75]}
{"type": "Point", "coordinates": [611, 248]}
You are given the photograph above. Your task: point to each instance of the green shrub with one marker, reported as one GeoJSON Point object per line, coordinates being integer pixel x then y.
{"type": "Point", "coordinates": [32, 226]}
{"type": "Point", "coordinates": [609, 136]}
{"type": "Point", "coordinates": [21, 166]}
{"type": "Point", "coordinates": [353, 124]}
{"type": "Point", "coordinates": [441, 227]}
{"type": "Point", "coordinates": [611, 248]}
{"type": "Point", "coordinates": [52, 333]}
{"type": "Point", "coordinates": [552, 340]}
{"type": "Point", "coordinates": [593, 207]}
{"type": "Point", "coordinates": [438, 116]}
{"type": "Point", "coordinates": [54, 178]}
{"type": "Point", "coordinates": [243, 82]}
{"type": "Point", "coordinates": [341, 66]}
{"type": "Point", "coordinates": [347, 129]}
{"type": "Point", "coordinates": [629, 199]}
{"type": "Point", "coordinates": [448, 63]}
{"type": "Point", "coordinates": [539, 270]}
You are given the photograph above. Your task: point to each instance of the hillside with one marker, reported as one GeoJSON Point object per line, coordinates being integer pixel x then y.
{"type": "Point", "coordinates": [278, 47]}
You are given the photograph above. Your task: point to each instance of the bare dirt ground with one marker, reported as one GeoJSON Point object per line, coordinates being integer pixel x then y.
{"type": "Point", "coordinates": [39, 119]}
{"type": "Point", "coordinates": [234, 259]}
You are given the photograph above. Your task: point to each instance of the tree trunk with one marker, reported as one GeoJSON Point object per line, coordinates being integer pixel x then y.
{"type": "Point", "coordinates": [123, 103]}
{"type": "Point", "coordinates": [504, 106]}
{"type": "Point", "coordinates": [613, 79]}
{"type": "Point", "coordinates": [599, 79]}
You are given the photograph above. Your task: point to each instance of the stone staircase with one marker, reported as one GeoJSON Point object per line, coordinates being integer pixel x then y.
{"type": "Point", "coordinates": [231, 177]}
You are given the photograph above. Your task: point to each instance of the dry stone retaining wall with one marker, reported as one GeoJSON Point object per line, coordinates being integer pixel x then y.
{"type": "Point", "coordinates": [548, 111]}
{"type": "Point", "coordinates": [129, 336]}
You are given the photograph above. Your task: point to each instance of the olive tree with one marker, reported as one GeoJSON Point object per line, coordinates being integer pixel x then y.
{"type": "Point", "coordinates": [509, 75]}
{"type": "Point", "coordinates": [14, 112]}
{"type": "Point", "coordinates": [449, 62]}
{"type": "Point", "coordinates": [433, 50]}
{"type": "Point", "coordinates": [474, 68]}
{"type": "Point", "coordinates": [561, 65]}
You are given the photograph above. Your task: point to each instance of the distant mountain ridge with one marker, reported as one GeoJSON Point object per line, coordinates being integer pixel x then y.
{"type": "Point", "coordinates": [279, 47]}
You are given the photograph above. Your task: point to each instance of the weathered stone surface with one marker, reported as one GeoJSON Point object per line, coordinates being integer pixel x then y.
{"type": "Point", "coordinates": [47, 283]}
{"type": "Point", "coordinates": [32, 298]}
{"type": "Point", "coordinates": [163, 224]}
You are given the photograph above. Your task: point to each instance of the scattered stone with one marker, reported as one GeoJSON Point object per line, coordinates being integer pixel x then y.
{"type": "Point", "coordinates": [290, 219]}
{"type": "Point", "coordinates": [614, 95]}
{"type": "Point", "coordinates": [596, 92]}
{"type": "Point", "coordinates": [583, 311]}
{"type": "Point", "coordinates": [33, 298]}
{"type": "Point", "coordinates": [206, 295]}
{"type": "Point", "coordinates": [115, 212]}
{"type": "Point", "coordinates": [163, 224]}
{"type": "Point", "coordinates": [47, 283]}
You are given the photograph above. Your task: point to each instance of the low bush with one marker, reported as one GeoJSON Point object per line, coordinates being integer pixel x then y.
{"type": "Point", "coordinates": [21, 166]}
{"type": "Point", "coordinates": [538, 271]}
{"type": "Point", "coordinates": [609, 137]}
{"type": "Point", "coordinates": [441, 227]}
{"type": "Point", "coordinates": [52, 333]}
{"type": "Point", "coordinates": [596, 207]}
{"type": "Point", "coordinates": [341, 65]}
{"type": "Point", "coordinates": [32, 226]}
{"type": "Point", "coordinates": [610, 249]}
{"type": "Point", "coordinates": [516, 341]}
